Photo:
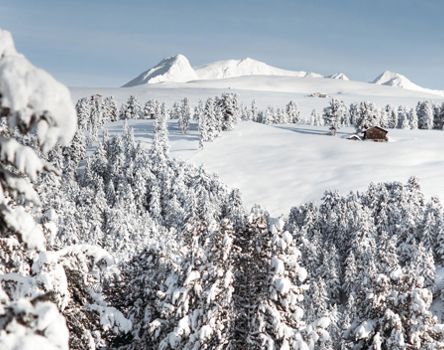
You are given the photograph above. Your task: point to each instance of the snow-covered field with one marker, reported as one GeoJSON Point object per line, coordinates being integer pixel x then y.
{"type": "Point", "coordinates": [274, 91]}
{"type": "Point", "coordinates": [280, 166]}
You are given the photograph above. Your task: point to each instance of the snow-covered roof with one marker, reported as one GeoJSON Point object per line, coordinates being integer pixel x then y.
{"type": "Point", "coordinates": [377, 127]}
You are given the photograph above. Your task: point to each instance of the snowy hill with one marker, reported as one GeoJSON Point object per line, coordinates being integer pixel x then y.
{"type": "Point", "coordinates": [172, 69]}
{"type": "Point", "coordinates": [247, 66]}
{"type": "Point", "coordinates": [389, 78]}
{"type": "Point", "coordinates": [338, 76]}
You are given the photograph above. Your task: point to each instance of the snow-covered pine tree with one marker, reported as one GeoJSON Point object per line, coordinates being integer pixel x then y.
{"type": "Point", "coordinates": [131, 109]}
{"type": "Point", "coordinates": [384, 116]}
{"type": "Point", "coordinates": [210, 123]}
{"type": "Point", "coordinates": [293, 112]}
{"type": "Point", "coordinates": [403, 119]}
{"type": "Point", "coordinates": [253, 112]}
{"type": "Point", "coordinates": [185, 116]}
{"type": "Point", "coordinates": [271, 302]}
{"type": "Point", "coordinates": [268, 116]}
{"type": "Point", "coordinates": [74, 153]}
{"type": "Point", "coordinates": [353, 112]}
{"type": "Point", "coordinates": [392, 117]}
{"type": "Point", "coordinates": [368, 116]}
{"type": "Point", "coordinates": [334, 115]}
{"type": "Point", "coordinates": [110, 109]}
{"type": "Point", "coordinates": [280, 117]}
{"type": "Point", "coordinates": [438, 116]}
{"type": "Point", "coordinates": [175, 111]}
{"type": "Point", "coordinates": [160, 148]}
{"type": "Point", "coordinates": [31, 293]}
{"type": "Point", "coordinates": [198, 110]}
{"type": "Point", "coordinates": [150, 109]}
{"type": "Point", "coordinates": [229, 107]}
{"type": "Point", "coordinates": [424, 111]}
{"type": "Point", "coordinates": [413, 119]}
{"type": "Point", "coordinates": [83, 109]}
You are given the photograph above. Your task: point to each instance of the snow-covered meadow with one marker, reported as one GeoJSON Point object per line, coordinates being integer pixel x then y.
{"type": "Point", "coordinates": [281, 166]}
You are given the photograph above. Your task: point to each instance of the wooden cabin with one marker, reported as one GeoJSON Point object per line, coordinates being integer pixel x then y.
{"type": "Point", "coordinates": [376, 133]}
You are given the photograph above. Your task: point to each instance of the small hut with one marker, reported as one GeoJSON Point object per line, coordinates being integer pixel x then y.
{"type": "Point", "coordinates": [376, 133]}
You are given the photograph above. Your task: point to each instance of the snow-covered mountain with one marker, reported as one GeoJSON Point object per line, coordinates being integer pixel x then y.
{"type": "Point", "coordinates": [389, 78]}
{"type": "Point", "coordinates": [338, 76]}
{"type": "Point", "coordinates": [172, 69]}
{"type": "Point", "coordinates": [177, 69]}
{"type": "Point", "coordinates": [244, 67]}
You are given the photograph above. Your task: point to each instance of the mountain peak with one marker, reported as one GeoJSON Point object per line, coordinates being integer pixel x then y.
{"type": "Point", "coordinates": [390, 78]}
{"type": "Point", "coordinates": [172, 69]}
{"type": "Point", "coordinates": [338, 76]}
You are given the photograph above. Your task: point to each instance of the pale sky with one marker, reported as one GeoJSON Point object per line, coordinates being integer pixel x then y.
{"type": "Point", "coordinates": [108, 42]}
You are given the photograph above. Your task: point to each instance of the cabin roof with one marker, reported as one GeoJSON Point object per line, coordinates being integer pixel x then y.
{"type": "Point", "coordinates": [377, 127]}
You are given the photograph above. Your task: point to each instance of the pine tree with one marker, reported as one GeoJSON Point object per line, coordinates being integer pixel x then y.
{"type": "Point", "coordinates": [175, 111]}
{"type": "Point", "coordinates": [33, 287]}
{"type": "Point", "coordinates": [403, 120]}
{"type": "Point", "coordinates": [353, 111]}
{"type": "Point", "coordinates": [293, 113]}
{"type": "Point", "coordinates": [253, 111]}
{"type": "Point", "coordinates": [83, 109]}
{"type": "Point", "coordinates": [268, 116]}
{"type": "Point", "coordinates": [110, 109]}
{"type": "Point", "coordinates": [438, 118]}
{"type": "Point", "coordinates": [392, 117]}
{"type": "Point", "coordinates": [131, 109]}
{"type": "Point", "coordinates": [424, 111]}
{"type": "Point", "coordinates": [229, 106]}
{"type": "Point", "coordinates": [198, 111]}
{"type": "Point", "coordinates": [368, 116]}
{"type": "Point", "coordinates": [160, 148]}
{"type": "Point", "coordinates": [413, 119]}
{"type": "Point", "coordinates": [74, 154]}
{"type": "Point", "coordinates": [431, 232]}
{"type": "Point", "coordinates": [334, 115]}
{"type": "Point", "coordinates": [184, 116]}
{"type": "Point", "coordinates": [150, 109]}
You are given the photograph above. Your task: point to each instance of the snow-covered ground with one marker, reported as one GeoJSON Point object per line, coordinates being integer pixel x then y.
{"type": "Point", "coordinates": [280, 166]}
{"type": "Point", "coordinates": [274, 91]}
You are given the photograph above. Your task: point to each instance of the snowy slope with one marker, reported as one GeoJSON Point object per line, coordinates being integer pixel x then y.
{"type": "Point", "coordinates": [172, 69]}
{"type": "Point", "coordinates": [247, 66]}
{"type": "Point", "coordinates": [389, 78]}
{"type": "Point", "coordinates": [285, 165]}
